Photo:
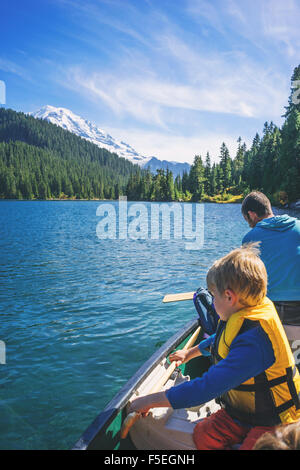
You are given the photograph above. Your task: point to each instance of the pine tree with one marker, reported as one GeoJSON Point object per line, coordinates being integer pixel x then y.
{"type": "Point", "coordinates": [207, 175]}
{"type": "Point", "coordinates": [225, 164]}
{"type": "Point", "coordinates": [295, 93]}
{"type": "Point", "coordinates": [238, 163]}
{"type": "Point", "coordinates": [170, 194]}
{"type": "Point", "coordinates": [213, 180]}
{"type": "Point", "coordinates": [289, 161]}
{"type": "Point", "coordinates": [185, 181]}
{"type": "Point", "coordinates": [47, 161]}
{"type": "Point", "coordinates": [219, 179]}
{"type": "Point", "coordinates": [196, 178]}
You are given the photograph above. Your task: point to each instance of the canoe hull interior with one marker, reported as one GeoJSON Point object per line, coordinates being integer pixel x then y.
{"type": "Point", "coordinates": [165, 428]}
{"type": "Point", "coordinates": [104, 432]}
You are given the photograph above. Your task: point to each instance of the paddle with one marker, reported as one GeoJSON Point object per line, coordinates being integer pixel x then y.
{"type": "Point", "coordinates": [134, 416]}
{"type": "Point", "coordinates": [177, 297]}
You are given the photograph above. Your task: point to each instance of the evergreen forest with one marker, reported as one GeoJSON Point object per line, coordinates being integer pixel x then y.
{"type": "Point", "coordinates": [39, 160]}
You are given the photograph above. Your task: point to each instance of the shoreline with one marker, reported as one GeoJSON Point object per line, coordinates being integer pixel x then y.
{"type": "Point", "coordinates": [116, 200]}
{"type": "Point", "coordinates": [235, 200]}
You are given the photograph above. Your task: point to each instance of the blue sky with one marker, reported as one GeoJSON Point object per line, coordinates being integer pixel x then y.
{"type": "Point", "coordinates": [173, 78]}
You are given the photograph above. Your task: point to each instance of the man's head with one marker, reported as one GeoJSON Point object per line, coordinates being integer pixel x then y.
{"type": "Point", "coordinates": [256, 207]}
{"type": "Point", "coordinates": [237, 280]}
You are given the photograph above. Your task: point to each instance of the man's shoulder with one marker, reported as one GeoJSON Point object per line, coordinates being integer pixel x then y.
{"type": "Point", "coordinates": [251, 236]}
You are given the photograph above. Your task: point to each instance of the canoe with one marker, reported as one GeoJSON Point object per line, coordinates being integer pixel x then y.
{"type": "Point", "coordinates": [163, 428]}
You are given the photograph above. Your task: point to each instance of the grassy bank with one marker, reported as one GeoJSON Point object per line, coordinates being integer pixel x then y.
{"type": "Point", "coordinates": [224, 198]}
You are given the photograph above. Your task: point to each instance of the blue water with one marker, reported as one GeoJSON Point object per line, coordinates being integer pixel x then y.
{"type": "Point", "coordinates": [79, 315]}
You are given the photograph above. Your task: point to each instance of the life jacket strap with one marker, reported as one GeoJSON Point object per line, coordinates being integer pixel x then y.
{"type": "Point", "coordinates": [261, 386]}
{"type": "Point", "coordinates": [292, 388]}
{"type": "Point", "coordinates": [270, 417]}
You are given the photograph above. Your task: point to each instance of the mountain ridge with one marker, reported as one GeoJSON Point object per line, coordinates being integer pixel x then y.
{"type": "Point", "coordinates": [81, 127]}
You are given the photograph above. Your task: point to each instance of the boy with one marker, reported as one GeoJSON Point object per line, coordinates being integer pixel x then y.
{"type": "Point", "coordinates": [253, 371]}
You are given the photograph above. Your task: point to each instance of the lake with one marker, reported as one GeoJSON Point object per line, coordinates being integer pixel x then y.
{"type": "Point", "coordinates": [80, 314]}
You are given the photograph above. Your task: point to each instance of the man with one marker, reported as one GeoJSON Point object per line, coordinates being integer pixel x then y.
{"type": "Point", "coordinates": [280, 251]}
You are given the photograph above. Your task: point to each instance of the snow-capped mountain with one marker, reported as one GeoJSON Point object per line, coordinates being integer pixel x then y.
{"type": "Point", "coordinates": [77, 125]}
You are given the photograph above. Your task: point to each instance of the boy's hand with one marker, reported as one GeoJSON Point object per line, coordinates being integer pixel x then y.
{"type": "Point", "coordinates": [184, 355]}
{"type": "Point", "coordinates": [143, 404]}
{"type": "Point", "coordinates": [180, 356]}
{"type": "Point", "coordinates": [140, 405]}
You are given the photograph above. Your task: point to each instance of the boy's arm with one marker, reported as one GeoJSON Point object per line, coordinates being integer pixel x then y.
{"type": "Point", "coordinates": [204, 345]}
{"type": "Point", "coordinates": [250, 354]}
{"type": "Point", "coordinates": [157, 400]}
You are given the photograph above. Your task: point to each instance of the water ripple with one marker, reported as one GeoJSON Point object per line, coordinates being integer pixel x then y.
{"type": "Point", "coordinates": [79, 315]}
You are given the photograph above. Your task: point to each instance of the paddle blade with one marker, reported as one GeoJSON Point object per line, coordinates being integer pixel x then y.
{"type": "Point", "coordinates": [129, 422]}
{"type": "Point", "coordinates": [177, 297]}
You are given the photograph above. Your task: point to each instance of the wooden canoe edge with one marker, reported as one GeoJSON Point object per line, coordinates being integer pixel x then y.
{"type": "Point", "coordinates": [103, 420]}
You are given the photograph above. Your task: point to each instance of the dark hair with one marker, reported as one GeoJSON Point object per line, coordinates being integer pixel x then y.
{"type": "Point", "coordinates": [256, 202]}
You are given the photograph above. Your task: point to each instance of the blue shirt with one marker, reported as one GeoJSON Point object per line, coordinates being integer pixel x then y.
{"type": "Point", "coordinates": [280, 252]}
{"type": "Point", "coordinates": [250, 354]}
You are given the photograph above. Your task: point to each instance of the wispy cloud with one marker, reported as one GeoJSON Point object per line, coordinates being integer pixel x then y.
{"type": "Point", "coordinates": [95, 16]}
{"type": "Point", "coordinates": [161, 71]}
{"type": "Point", "coordinates": [174, 72]}
{"type": "Point", "coordinates": [264, 23]}
{"type": "Point", "coordinates": [227, 83]}
{"type": "Point", "coordinates": [181, 148]}
{"type": "Point", "coordinates": [14, 68]}
{"type": "Point", "coordinates": [281, 25]}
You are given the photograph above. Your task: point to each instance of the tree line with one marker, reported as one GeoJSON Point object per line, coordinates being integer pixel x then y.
{"type": "Point", "coordinates": [39, 160]}
{"type": "Point", "coordinates": [271, 165]}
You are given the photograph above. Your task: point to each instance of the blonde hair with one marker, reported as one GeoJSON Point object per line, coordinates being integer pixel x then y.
{"type": "Point", "coordinates": [242, 271]}
{"type": "Point", "coordinates": [284, 437]}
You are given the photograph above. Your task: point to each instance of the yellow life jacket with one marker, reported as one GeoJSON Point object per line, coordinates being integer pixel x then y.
{"type": "Point", "coordinates": [272, 397]}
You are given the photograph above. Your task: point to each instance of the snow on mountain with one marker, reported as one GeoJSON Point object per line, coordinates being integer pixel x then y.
{"type": "Point", "coordinates": [77, 125]}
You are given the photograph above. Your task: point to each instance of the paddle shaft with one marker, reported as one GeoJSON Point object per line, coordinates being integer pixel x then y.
{"type": "Point", "coordinates": [134, 416]}
{"type": "Point", "coordinates": [172, 366]}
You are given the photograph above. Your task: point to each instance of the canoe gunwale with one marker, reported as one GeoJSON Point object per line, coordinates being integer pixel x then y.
{"type": "Point", "coordinates": [103, 420]}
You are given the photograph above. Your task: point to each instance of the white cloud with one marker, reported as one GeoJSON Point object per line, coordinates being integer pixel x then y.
{"type": "Point", "coordinates": [143, 83]}
{"type": "Point", "coordinates": [168, 76]}
{"type": "Point", "coordinates": [12, 67]}
{"type": "Point", "coordinates": [226, 84]}
{"type": "Point", "coordinates": [166, 68]}
{"type": "Point", "coordinates": [206, 11]}
{"type": "Point", "coordinates": [178, 148]}
{"type": "Point", "coordinates": [281, 25]}
{"type": "Point", "coordinates": [269, 25]}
